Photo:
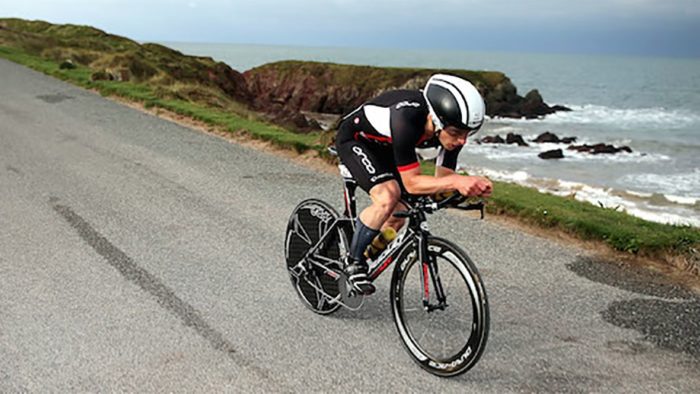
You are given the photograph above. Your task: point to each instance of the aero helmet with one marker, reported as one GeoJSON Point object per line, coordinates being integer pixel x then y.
{"type": "Point", "coordinates": [453, 101]}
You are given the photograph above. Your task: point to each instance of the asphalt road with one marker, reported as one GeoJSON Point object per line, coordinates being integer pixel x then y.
{"type": "Point", "coordinates": [139, 255]}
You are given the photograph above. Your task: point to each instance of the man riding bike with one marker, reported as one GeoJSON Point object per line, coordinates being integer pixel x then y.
{"type": "Point", "coordinates": [377, 143]}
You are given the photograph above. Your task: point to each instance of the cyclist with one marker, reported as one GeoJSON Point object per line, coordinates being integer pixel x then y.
{"type": "Point", "coordinates": [377, 142]}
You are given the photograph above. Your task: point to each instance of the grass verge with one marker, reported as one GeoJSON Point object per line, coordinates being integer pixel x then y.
{"type": "Point", "coordinates": [622, 232]}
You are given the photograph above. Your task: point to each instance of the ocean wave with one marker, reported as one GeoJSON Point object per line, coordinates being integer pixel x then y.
{"type": "Point", "coordinates": [628, 118]}
{"type": "Point", "coordinates": [685, 186]}
{"type": "Point", "coordinates": [529, 153]}
{"type": "Point", "coordinates": [649, 206]}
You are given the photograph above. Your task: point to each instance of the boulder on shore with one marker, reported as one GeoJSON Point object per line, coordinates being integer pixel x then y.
{"type": "Point", "coordinates": [548, 137]}
{"type": "Point", "coordinates": [493, 139]}
{"type": "Point", "coordinates": [551, 154]}
{"type": "Point", "coordinates": [513, 138]}
{"type": "Point", "coordinates": [600, 149]}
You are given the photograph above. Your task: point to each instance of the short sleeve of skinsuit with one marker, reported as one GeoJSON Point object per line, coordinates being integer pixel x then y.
{"type": "Point", "coordinates": [407, 126]}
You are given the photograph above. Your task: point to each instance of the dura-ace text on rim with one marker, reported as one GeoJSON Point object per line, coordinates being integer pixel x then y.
{"type": "Point", "coordinates": [455, 361]}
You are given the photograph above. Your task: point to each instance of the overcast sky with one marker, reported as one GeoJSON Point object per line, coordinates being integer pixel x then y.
{"type": "Point", "coordinates": [637, 27]}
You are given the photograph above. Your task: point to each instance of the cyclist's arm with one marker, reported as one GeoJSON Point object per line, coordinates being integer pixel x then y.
{"type": "Point", "coordinates": [415, 183]}
{"type": "Point", "coordinates": [445, 179]}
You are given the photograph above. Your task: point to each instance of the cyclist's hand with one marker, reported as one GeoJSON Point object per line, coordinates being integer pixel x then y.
{"type": "Point", "coordinates": [475, 186]}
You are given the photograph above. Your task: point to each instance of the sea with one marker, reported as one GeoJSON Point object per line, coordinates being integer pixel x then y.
{"type": "Point", "coordinates": [649, 104]}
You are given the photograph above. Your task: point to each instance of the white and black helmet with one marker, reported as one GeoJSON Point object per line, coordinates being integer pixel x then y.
{"type": "Point", "coordinates": [454, 101]}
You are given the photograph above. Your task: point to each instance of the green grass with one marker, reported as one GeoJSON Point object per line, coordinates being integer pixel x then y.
{"type": "Point", "coordinates": [621, 231]}
{"type": "Point", "coordinates": [586, 221]}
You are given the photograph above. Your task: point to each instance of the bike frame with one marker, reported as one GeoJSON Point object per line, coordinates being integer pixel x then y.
{"type": "Point", "coordinates": [416, 233]}
{"type": "Point", "coordinates": [321, 282]}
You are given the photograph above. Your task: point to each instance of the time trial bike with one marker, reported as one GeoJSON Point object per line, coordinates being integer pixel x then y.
{"type": "Point", "coordinates": [437, 296]}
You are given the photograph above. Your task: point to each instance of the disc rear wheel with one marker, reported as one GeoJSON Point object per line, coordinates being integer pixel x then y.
{"type": "Point", "coordinates": [308, 223]}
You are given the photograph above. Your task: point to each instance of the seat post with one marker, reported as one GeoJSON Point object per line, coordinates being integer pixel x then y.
{"type": "Point", "coordinates": [349, 187]}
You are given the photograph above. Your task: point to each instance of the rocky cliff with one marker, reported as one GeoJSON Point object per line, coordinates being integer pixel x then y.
{"type": "Point", "coordinates": [338, 89]}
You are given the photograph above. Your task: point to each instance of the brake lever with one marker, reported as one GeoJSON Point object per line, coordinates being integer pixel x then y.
{"type": "Point", "coordinates": [477, 206]}
{"type": "Point", "coordinates": [454, 199]}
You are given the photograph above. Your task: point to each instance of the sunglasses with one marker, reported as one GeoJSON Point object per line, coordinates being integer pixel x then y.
{"type": "Point", "coordinates": [457, 132]}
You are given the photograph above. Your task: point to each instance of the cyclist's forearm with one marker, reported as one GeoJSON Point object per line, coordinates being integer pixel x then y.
{"type": "Point", "coordinates": [426, 184]}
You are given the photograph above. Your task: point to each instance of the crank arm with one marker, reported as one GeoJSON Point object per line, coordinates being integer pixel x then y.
{"type": "Point", "coordinates": [343, 298]}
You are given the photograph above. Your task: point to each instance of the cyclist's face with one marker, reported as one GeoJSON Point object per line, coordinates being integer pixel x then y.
{"type": "Point", "coordinates": [452, 137]}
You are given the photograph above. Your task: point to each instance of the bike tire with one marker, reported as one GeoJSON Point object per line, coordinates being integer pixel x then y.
{"type": "Point", "coordinates": [308, 222]}
{"type": "Point", "coordinates": [475, 330]}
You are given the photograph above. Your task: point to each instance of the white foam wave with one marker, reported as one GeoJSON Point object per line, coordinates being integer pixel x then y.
{"type": "Point", "coordinates": [642, 205]}
{"type": "Point", "coordinates": [629, 118]}
{"type": "Point", "coordinates": [496, 128]}
{"type": "Point", "coordinates": [513, 152]}
{"type": "Point", "coordinates": [622, 157]}
{"type": "Point", "coordinates": [682, 200]}
{"type": "Point", "coordinates": [685, 184]}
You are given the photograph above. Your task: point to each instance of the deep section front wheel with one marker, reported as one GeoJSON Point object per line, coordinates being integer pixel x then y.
{"type": "Point", "coordinates": [446, 338]}
{"type": "Point", "coordinates": [308, 223]}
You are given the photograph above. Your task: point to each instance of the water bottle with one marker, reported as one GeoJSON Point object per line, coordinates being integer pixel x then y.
{"type": "Point", "coordinates": [379, 243]}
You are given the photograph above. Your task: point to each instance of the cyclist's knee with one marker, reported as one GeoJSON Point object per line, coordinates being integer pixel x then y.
{"type": "Point", "coordinates": [386, 195]}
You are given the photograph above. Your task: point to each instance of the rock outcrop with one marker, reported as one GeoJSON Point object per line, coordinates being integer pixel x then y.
{"type": "Point", "coordinates": [338, 89]}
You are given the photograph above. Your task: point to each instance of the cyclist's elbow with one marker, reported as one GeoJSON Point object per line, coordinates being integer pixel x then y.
{"type": "Point", "coordinates": [411, 188]}
{"type": "Point", "coordinates": [410, 181]}
{"type": "Point", "coordinates": [409, 184]}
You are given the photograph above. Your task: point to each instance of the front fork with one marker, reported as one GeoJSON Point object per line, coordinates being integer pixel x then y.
{"type": "Point", "coordinates": [428, 274]}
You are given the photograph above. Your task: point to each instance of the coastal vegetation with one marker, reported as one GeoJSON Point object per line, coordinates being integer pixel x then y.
{"type": "Point", "coordinates": [211, 92]}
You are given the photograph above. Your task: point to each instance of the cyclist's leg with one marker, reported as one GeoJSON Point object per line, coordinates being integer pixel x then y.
{"type": "Point", "coordinates": [385, 197]}
{"type": "Point", "coordinates": [376, 177]}
{"type": "Point", "coordinates": [394, 222]}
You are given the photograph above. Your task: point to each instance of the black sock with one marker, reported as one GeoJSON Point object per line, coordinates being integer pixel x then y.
{"type": "Point", "coordinates": [362, 237]}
